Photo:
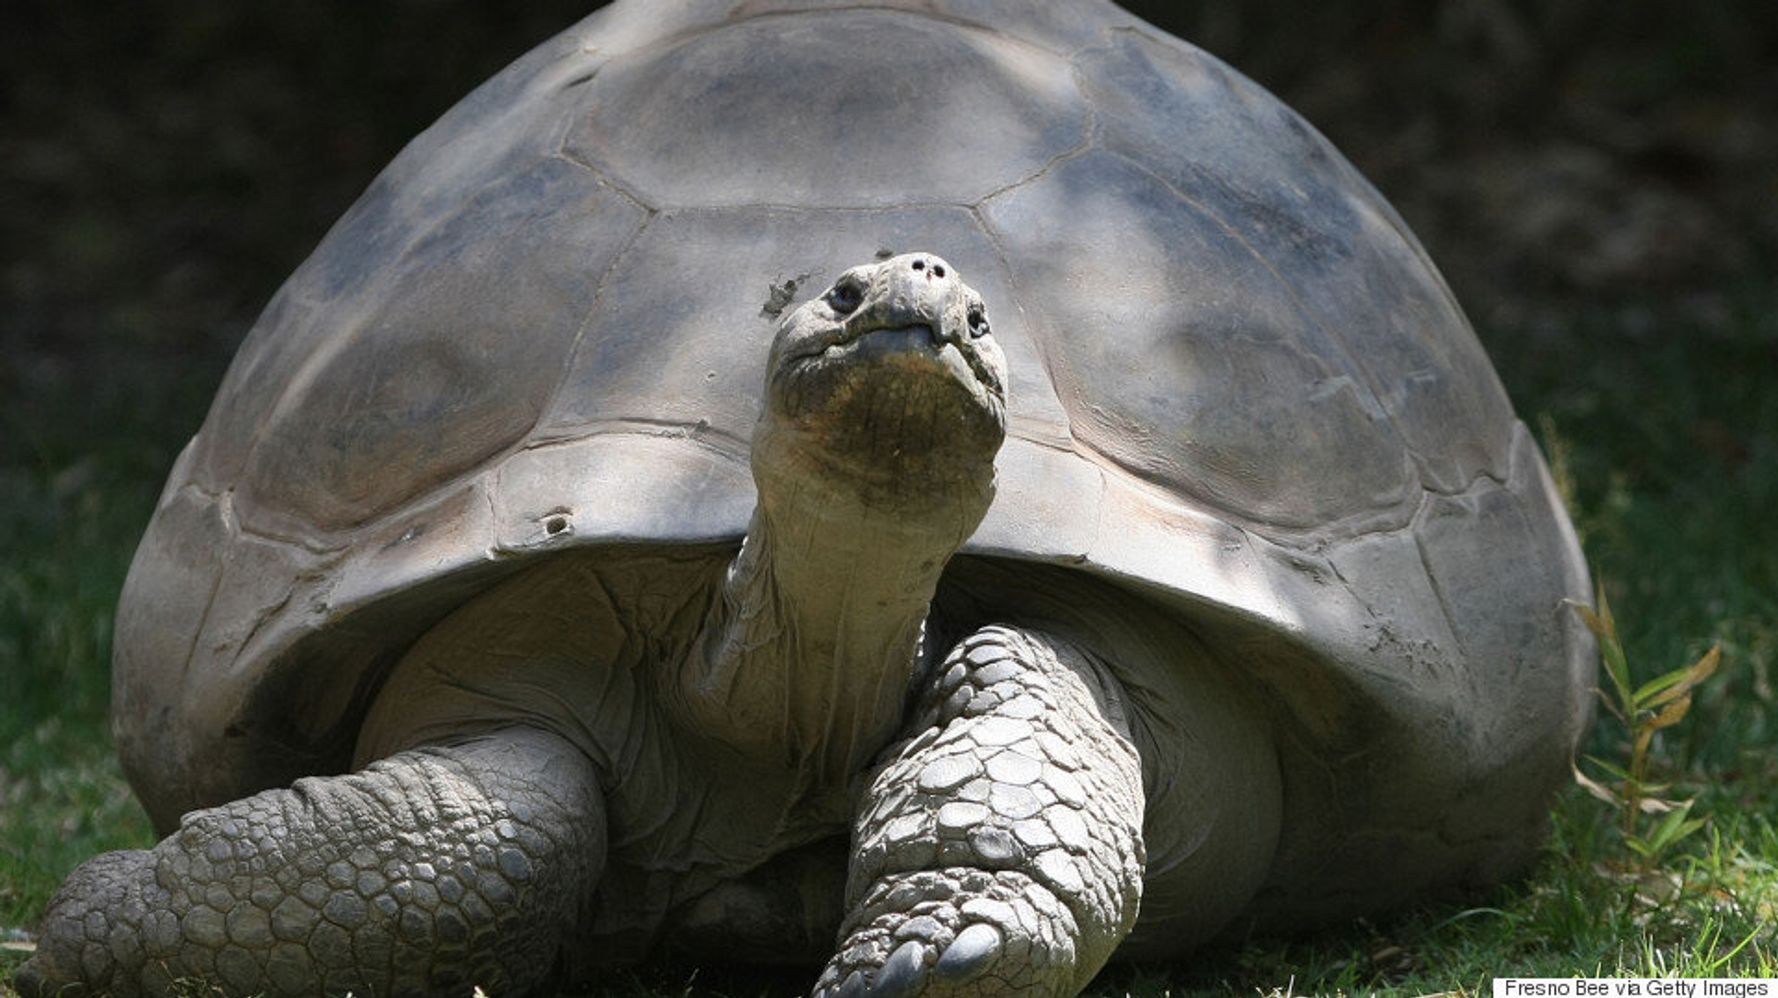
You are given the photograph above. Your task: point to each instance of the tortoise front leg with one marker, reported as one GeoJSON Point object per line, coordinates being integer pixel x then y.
{"type": "Point", "coordinates": [999, 851]}
{"type": "Point", "coordinates": [428, 872]}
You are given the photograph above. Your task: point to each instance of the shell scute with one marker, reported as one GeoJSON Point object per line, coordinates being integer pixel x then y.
{"type": "Point", "coordinates": [1386, 319]}
{"type": "Point", "coordinates": [1184, 360]}
{"type": "Point", "coordinates": [773, 110]}
{"type": "Point", "coordinates": [453, 362]}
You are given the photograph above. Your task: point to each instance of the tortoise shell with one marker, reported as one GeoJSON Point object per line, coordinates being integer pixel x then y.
{"type": "Point", "coordinates": [1238, 386]}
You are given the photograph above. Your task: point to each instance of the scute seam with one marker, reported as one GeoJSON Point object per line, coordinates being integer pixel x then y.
{"type": "Point", "coordinates": [238, 529]}
{"type": "Point", "coordinates": [191, 648]}
{"type": "Point", "coordinates": [1012, 281]}
{"type": "Point", "coordinates": [698, 432]}
{"type": "Point", "coordinates": [930, 13]}
{"type": "Point", "coordinates": [1374, 402]}
{"type": "Point", "coordinates": [309, 365]}
{"type": "Point", "coordinates": [612, 178]}
{"type": "Point", "coordinates": [604, 178]}
{"type": "Point", "coordinates": [592, 309]}
{"type": "Point", "coordinates": [1089, 141]}
{"type": "Point", "coordinates": [1480, 483]}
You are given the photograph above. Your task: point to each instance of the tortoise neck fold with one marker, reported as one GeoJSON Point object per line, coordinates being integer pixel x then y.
{"type": "Point", "coordinates": [807, 657]}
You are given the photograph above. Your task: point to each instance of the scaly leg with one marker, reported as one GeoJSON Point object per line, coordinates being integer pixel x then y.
{"type": "Point", "coordinates": [998, 851]}
{"type": "Point", "coordinates": [429, 872]}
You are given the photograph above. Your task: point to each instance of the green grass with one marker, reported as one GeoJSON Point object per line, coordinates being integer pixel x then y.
{"type": "Point", "coordinates": [78, 481]}
{"type": "Point", "coordinates": [1664, 424]}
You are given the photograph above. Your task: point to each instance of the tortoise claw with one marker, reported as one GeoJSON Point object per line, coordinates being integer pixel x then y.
{"type": "Point", "coordinates": [904, 973]}
{"type": "Point", "coordinates": [969, 954]}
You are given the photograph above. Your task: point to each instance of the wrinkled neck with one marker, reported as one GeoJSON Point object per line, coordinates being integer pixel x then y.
{"type": "Point", "coordinates": [808, 656]}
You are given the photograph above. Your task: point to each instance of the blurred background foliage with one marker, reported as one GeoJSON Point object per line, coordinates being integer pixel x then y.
{"type": "Point", "coordinates": [1599, 180]}
{"type": "Point", "coordinates": [1571, 147]}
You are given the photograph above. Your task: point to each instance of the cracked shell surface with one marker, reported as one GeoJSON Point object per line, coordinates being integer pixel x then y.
{"type": "Point", "coordinates": [1237, 387]}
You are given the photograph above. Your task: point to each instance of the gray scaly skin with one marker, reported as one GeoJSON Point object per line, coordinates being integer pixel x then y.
{"type": "Point", "coordinates": [314, 889]}
{"type": "Point", "coordinates": [997, 842]}
{"type": "Point", "coordinates": [1000, 849]}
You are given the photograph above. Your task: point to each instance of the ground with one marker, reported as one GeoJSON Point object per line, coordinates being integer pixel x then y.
{"type": "Point", "coordinates": [1604, 205]}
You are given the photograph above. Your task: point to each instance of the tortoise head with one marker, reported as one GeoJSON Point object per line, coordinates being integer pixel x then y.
{"type": "Point", "coordinates": [888, 387]}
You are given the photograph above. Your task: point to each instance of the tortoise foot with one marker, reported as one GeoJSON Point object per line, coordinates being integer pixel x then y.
{"type": "Point", "coordinates": [956, 931]}
{"type": "Point", "coordinates": [93, 940]}
{"type": "Point", "coordinates": [998, 850]}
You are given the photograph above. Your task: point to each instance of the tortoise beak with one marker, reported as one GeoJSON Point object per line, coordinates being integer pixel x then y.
{"type": "Point", "coordinates": [923, 291]}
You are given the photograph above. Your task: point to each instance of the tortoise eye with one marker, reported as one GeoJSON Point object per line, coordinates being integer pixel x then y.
{"type": "Point", "coordinates": [844, 297]}
{"type": "Point", "coordinates": [978, 322]}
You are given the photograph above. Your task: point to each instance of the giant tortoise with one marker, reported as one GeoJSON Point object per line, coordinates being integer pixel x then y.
{"type": "Point", "coordinates": [1125, 538]}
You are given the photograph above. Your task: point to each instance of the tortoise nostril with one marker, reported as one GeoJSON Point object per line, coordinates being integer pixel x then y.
{"type": "Point", "coordinates": [938, 271]}
{"type": "Point", "coordinates": [919, 264]}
